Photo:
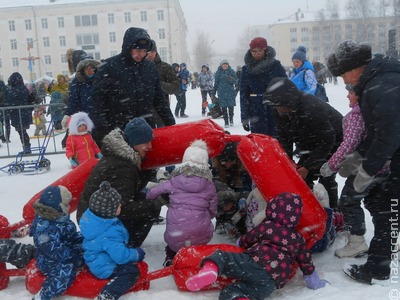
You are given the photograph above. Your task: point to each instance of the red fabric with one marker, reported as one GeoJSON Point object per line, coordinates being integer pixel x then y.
{"type": "Point", "coordinates": [82, 147]}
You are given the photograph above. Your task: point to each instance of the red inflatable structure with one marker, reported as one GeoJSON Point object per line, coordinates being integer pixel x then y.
{"type": "Point", "coordinates": [268, 165]}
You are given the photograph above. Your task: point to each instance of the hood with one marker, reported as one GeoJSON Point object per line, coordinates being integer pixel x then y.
{"type": "Point", "coordinates": [80, 69]}
{"type": "Point", "coordinates": [190, 169]}
{"type": "Point", "coordinates": [76, 120]}
{"type": "Point", "coordinates": [131, 36]}
{"type": "Point", "coordinates": [282, 91]}
{"type": "Point", "coordinates": [114, 143]}
{"type": "Point", "coordinates": [15, 79]}
{"type": "Point", "coordinates": [285, 209]}
{"type": "Point", "coordinates": [59, 76]}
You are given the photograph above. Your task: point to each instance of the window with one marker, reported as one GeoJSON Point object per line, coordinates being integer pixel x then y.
{"type": "Point", "coordinates": [47, 60]}
{"type": "Point", "coordinates": [143, 16]}
{"type": "Point", "coordinates": [160, 15]}
{"type": "Point", "coordinates": [113, 52]}
{"type": "Point", "coordinates": [293, 40]}
{"type": "Point", "coordinates": [163, 53]}
{"type": "Point", "coordinates": [44, 23]}
{"type": "Point", "coordinates": [11, 25]}
{"type": "Point", "coordinates": [29, 43]}
{"type": "Point", "coordinates": [349, 27]}
{"type": "Point", "coordinates": [113, 38]}
{"type": "Point", "coordinates": [46, 42]}
{"type": "Point", "coordinates": [63, 59]}
{"type": "Point", "coordinates": [15, 61]}
{"type": "Point", "coordinates": [293, 29]}
{"type": "Point", "coordinates": [304, 29]}
{"type": "Point", "coordinates": [62, 40]}
{"type": "Point", "coordinates": [28, 25]}
{"type": "Point", "coordinates": [13, 44]}
{"type": "Point", "coordinates": [111, 19]}
{"type": "Point", "coordinates": [60, 22]}
{"type": "Point", "coordinates": [127, 17]}
{"type": "Point", "coordinates": [304, 39]}
{"type": "Point", "coordinates": [161, 34]}
{"type": "Point", "coordinates": [87, 39]}
{"type": "Point", "coordinates": [85, 20]}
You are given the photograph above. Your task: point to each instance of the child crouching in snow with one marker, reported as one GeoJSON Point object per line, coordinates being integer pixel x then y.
{"type": "Point", "coordinates": [80, 144]}
{"type": "Point", "coordinates": [59, 251]}
{"type": "Point", "coordinates": [192, 201]}
{"type": "Point", "coordinates": [272, 247]}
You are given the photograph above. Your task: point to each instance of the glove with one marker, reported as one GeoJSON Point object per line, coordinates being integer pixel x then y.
{"type": "Point", "coordinates": [325, 170]}
{"type": "Point", "coordinates": [246, 126]}
{"type": "Point", "coordinates": [139, 254]}
{"type": "Point", "coordinates": [350, 164]}
{"type": "Point", "coordinates": [64, 122]}
{"type": "Point", "coordinates": [362, 180]}
{"type": "Point", "coordinates": [73, 162]}
{"type": "Point", "coordinates": [314, 282]}
{"type": "Point", "coordinates": [99, 155]}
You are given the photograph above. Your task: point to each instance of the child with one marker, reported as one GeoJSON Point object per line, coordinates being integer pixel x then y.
{"type": "Point", "coordinates": [59, 250]}
{"type": "Point", "coordinates": [349, 202]}
{"type": "Point", "coordinates": [80, 144]}
{"type": "Point", "coordinates": [105, 239]}
{"type": "Point", "coordinates": [192, 201]}
{"type": "Point", "coordinates": [56, 110]}
{"type": "Point", "coordinates": [39, 120]}
{"type": "Point", "coordinates": [267, 263]}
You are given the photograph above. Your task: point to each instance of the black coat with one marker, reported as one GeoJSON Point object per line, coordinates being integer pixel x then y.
{"type": "Point", "coordinates": [124, 89]}
{"type": "Point", "coordinates": [314, 126]}
{"type": "Point", "coordinates": [379, 92]}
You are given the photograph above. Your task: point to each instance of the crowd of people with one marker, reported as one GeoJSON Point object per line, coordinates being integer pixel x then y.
{"type": "Point", "coordinates": [111, 108]}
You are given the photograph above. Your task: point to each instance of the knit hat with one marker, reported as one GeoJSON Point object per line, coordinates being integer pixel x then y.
{"type": "Point", "coordinates": [258, 43]}
{"type": "Point", "coordinates": [349, 87]}
{"type": "Point", "coordinates": [196, 153]}
{"type": "Point", "coordinates": [206, 66]}
{"type": "Point", "coordinates": [224, 61]}
{"type": "Point", "coordinates": [349, 55]}
{"type": "Point", "coordinates": [105, 201]}
{"type": "Point", "coordinates": [300, 54]}
{"type": "Point", "coordinates": [229, 153]}
{"type": "Point", "coordinates": [138, 131]}
{"type": "Point", "coordinates": [153, 46]}
{"type": "Point", "coordinates": [141, 44]}
{"type": "Point", "coordinates": [57, 197]}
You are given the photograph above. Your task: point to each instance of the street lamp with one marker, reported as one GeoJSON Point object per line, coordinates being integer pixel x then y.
{"type": "Point", "coordinates": [30, 59]}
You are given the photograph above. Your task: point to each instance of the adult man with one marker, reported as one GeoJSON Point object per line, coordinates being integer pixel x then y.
{"type": "Point", "coordinates": [376, 83]}
{"type": "Point", "coordinates": [123, 152]}
{"type": "Point", "coordinates": [127, 86]}
{"type": "Point", "coordinates": [313, 125]}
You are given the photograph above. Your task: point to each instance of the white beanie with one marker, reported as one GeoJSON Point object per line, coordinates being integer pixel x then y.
{"type": "Point", "coordinates": [196, 153]}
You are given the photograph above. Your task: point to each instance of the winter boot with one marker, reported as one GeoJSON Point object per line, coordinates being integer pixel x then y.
{"type": "Point", "coordinates": [3, 139]}
{"type": "Point", "coordinates": [355, 247]}
{"type": "Point", "coordinates": [207, 275]}
{"type": "Point", "coordinates": [105, 296]}
{"type": "Point", "coordinates": [364, 274]}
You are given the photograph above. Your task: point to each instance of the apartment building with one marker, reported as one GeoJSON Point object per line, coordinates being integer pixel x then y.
{"type": "Point", "coordinates": [36, 34]}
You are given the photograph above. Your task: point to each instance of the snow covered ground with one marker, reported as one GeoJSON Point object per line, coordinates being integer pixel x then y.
{"type": "Point", "coordinates": [16, 190]}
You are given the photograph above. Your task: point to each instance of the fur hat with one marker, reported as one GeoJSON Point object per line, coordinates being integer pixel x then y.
{"type": "Point", "coordinates": [138, 131]}
{"type": "Point", "coordinates": [78, 119]}
{"type": "Point", "coordinates": [258, 43]}
{"type": "Point", "coordinates": [332, 65]}
{"type": "Point", "coordinates": [53, 202]}
{"type": "Point", "coordinates": [196, 153]}
{"type": "Point", "coordinates": [300, 54]}
{"type": "Point", "coordinates": [105, 201]}
{"type": "Point", "coordinates": [348, 56]}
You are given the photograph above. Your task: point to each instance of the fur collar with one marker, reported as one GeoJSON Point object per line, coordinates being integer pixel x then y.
{"type": "Point", "coordinates": [189, 169]}
{"type": "Point", "coordinates": [256, 67]}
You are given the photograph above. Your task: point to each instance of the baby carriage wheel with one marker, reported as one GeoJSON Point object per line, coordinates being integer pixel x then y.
{"type": "Point", "coordinates": [45, 163]}
{"type": "Point", "coordinates": [15, 169]}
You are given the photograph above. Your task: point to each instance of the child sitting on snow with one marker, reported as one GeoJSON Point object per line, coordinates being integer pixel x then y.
{"type": "Point", "coordinates": [267, 263]}
{"type": "Point", "coordinates": [59, 250]}
{"type": "Point", "coordinates": [80, 143]}
{"type": "Point", "coordinates": [192, 201]}
{"type": "Point", "coordinates": [105, 243]}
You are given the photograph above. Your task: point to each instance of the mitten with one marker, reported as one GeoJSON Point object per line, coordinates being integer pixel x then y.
{"type": "Point", "coordinates": [350, 164]}
{"type": "Point", "coordinates": [99, 155]}
{"type": "Point", "coordinates": [325, 170]}
{"type": "Point", "coordinates": [362, 180]}
{"type": "Point", "coordinates": [73, 162]}
{"type": "Point", "coordinates": [139, 254]}
{"type": "Point", "coordinates": [64, 122]}
{"type": "Point", "coordinates": [314, 282]}
{"type": "Point", "coordinates": [246, 126]}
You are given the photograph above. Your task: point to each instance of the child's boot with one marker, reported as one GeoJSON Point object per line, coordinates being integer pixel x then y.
{"type": "Point", "coordinates": [356, 246]}
{"type": "Point", "coordinates": [207, 275]}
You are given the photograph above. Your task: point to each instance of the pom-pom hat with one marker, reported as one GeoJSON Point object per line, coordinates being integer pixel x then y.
{"type": "Point", "coordinates": [300, 54]}
{"type": "Point", "coordinates": [196, 153]}
{"type": "Point", "coordinates": [105, 201]}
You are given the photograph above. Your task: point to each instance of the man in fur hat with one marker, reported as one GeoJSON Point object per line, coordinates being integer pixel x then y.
{"type": "Point", "coordinates": [376, 83]}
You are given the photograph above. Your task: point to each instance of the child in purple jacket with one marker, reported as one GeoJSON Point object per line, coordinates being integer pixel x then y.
{"type": "Point", "coordinates": [272, 248]}
{"type": "Point", "coordinates": [192, 201]}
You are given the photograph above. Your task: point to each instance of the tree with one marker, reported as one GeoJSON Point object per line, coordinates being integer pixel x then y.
{"type": "Point", "coordinates": [202, 50]}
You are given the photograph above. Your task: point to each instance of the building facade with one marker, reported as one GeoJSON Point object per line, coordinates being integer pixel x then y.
{"type": "Point", "coordinates": [35, 38]}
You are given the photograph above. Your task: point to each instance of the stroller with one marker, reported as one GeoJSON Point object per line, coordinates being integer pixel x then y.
{"type": "Point", "coordinates": [214, 110]}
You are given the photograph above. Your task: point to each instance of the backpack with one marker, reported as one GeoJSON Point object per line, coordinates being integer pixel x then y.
{"type": "Point", "coordinates": [320, 92]}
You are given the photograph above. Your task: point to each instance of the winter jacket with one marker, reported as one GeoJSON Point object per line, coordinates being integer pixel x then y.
{"type": "Point", "coordinates": [379, 91]}
{"type": "Point", "coordinates": [304, 78]}
{"type": "Point", "coordinates": [169, 82]}
{"type": "Point", "coordinates": [56, 107]}
{"type": "Point", "coordinates": [224, 86]}
{"type": "Point", "coordinates": [18, 95]}
{"type": "Point", "coordinates": [61, 87]}
{"type": "Point", "coordinates": [105, 243]}
{"type": "Point", "coordinates": [275, 244]}
{"type": "Point", "coordinates": [81, 146]}
{"type": "Point", "coordinates": [124, 89]}
{"type": "Point", "coordinates": [80, 89]}
{"type": "Point", "coordinates": [255, 77]}
{"type": "Point", "coordinates": [192, 206]}
{"type": "Point", "coordinates": [184, 76]}
{"type": "Point", "coordinates": [120, 166]}
{"type": "Point", "coordinates": [314, 126]}
{"type": "Point", "coordinates": [205, 80]}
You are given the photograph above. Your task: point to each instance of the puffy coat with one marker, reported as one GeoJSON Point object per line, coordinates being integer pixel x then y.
{"type": "Point", "coordinates": [304, 78]}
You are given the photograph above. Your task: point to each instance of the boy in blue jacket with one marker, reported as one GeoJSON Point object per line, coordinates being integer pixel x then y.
{"type": "Point", "coordinates": [105, 244]}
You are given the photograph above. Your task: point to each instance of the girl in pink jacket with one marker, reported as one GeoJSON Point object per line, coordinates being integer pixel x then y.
{"type": "Point", "coordinates": [80, 145]}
